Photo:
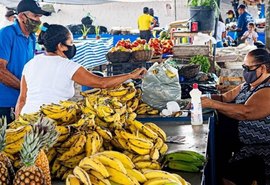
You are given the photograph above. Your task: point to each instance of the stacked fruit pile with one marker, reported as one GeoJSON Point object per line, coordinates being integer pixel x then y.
{"type": "Point", "coordinates": [128, 46]}
{"type": "Point", "coordinates": [111, 167]}
{"type": "Point", "coordinates": [161, 46]}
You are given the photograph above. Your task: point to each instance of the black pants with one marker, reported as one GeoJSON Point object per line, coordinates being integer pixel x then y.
{"type": "Point", "coordinates": [227, 142]}
{"type": "Point", "coordinates": [145, 35]}
{"type": "Point", "coordinates": [8, 113]}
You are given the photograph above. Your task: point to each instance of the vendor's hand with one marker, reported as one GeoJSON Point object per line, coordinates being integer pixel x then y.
{"type": "Point", "coordinates": [138, 73]}
{"type": "Point", "coordinates": [206, 102]}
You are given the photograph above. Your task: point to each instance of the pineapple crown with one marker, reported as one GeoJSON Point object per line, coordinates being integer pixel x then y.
{"type": "Point", "coordinates": [43, 134]}
{"type": "Point", "coordinates": [3, 125]}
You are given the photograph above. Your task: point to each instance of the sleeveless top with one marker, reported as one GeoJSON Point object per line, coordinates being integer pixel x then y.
{"type": "Point", "coordinates": [254, 134]}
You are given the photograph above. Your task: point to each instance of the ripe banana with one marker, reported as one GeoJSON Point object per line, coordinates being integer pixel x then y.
{"type": "Point", "coordinates": [100, 122]}
{"type": "Point", "coordinates": [111, 162]}
{"type": "Point", "coordinates": [163, 149]}
{"type": "Point", "coordinates": [61, 172]}
{"type": "Point", "coordinates": [145, 130]}
{"type": "Point", "coordinates": [74, 161]}
{"type": "Point", "coordinates": [99, 177]}
{"type": "Point", "coordinates": [88, 163]}
{"type": "Point", "coordinates": [121, 110]}
{"type": "Point", "coordinates": [72, 180]}
{"type": "Point", "coordinates": [169, 73]}
{"type": "Point", "coordinates": [103, 132]}
{"type": "Point", "coordinates": [181, 179]}
{"type": "Point", "coordinates": [153, 112]}
{"type": "Point", "coordinates": [147, 164]}
{"type": "Point", "coordinates": [138, 150]}
{"type": "Point", "coordinates": [161, 181]}
{"type": "Point", "coordinates": [104, 111]}
{"type": "Point", "coordinates": [159, 143]}
{"type": "Point", "coordinates": [112, 118]}
{"type": "Point", "coordinates": [51, 154]}
{"type": "Point", "coordinates": [13, 135]}
{"type": "Point", "coordinates": [14, 147]}
{"type": "Point", "coordinates": [95, 180]}
{"type": "Point", "coordinates": [74, 150]}
{"type": "Point", "coordinates": [93, 143]}
{"type": "Point", "coordinates": [131, 116]}
{"type": "Point", "coordinates": [67, 103]}
{"type": "Point", "coordinates": [141, 158]}
{"type": "Point", "coordinates": [56, 166]}
{"type": "Point", "coordinates": [135, 104]}
{"type": "Point", "coordinates": [151, 174]}
{"type": "Point", "coordinates": [70, 115]}
{"type": "Point", "coordinates": [61, 139]}
{"type": "Point", "coordinates": [126, 161]}
{"type": "Point", "coordinates": [82, 175]}
{"type": "Point", "coordinates": [62, 129]}
{"type": "Point", "coordinates": [131, 93]}
{"type": "Point", "coordinates": [154, 154]}
{"type": "Point", "coordinates": [119, 177]}
{"type": "Point", "coordinates": [70, 141]}
{"type": "Point", "coordinates": [67, 173]}
{"type": "Point", "coordinates": [157, 130]}
{"type": "Point", "coordinates": [91, 92]}
{"type": "Point", "coordinates": [118, 92]}
{"type": "Point", "coordinates": [137, 174]}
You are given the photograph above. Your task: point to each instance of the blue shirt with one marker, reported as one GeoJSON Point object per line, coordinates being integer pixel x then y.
{"type": "Point", "coordinates": [242, 23]}
{"type": "Point", "coordinates": [17, 50]}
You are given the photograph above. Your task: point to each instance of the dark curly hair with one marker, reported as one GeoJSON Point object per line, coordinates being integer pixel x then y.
{"type": "Point", "coordinates": [52, 35]}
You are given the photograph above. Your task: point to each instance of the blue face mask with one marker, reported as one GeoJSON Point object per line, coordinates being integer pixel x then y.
{"type": "Point", "coordinates": [250, 76]}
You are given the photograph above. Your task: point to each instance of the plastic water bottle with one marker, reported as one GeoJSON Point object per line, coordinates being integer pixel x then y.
{"type": "Point", "coordinates": [196, 106]}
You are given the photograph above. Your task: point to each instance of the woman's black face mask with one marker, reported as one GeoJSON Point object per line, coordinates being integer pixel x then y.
{"type": "Point", "coordinates": [71, 52]}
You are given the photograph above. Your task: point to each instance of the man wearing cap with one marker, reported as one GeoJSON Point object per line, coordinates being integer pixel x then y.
{"type": "Point", "coordinates": [242, 22]}
{"type": "Point", "coordinates": [144, 24]}
{"type": "Point", "coordinates": [17, 46]}
{"type": "Point", "coordinates": [10, 15]}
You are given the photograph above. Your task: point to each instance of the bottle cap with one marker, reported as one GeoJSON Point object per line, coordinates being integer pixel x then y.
{"type": "Point", "coordinates": [195, 86]}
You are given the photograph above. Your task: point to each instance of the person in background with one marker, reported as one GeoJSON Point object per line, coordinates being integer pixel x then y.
{"type": "Point", "coordinates": [17, 46]}
{"type": "Point", "coordinates": [151, 12]}
{"type": "Point", "coordinates": [10, 16]}
{"type": "Point", "coordinates": [49, 78]}
{"type": "Point", "coordinates": [145, 24]}
{"type": "Point", "coordinates": [242, 22]}
{"type": "Point", "coordinates": [235, 4]}
{"type": "Point", "coordinates": [221, 33]}
{"type": "Point", "coordinates": [250, 36]}
{"type": "Point", "coordinates": [243, 129]}
{"type": "Point", "coordinates": [231, 17]}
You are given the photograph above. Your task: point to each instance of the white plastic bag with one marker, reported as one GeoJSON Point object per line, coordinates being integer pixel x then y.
{"type": "Point", "coordinates": [161, 85]}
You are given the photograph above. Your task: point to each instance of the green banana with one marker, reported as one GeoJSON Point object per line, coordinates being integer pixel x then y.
{"type": "Point", "coordinates": [183, 166]}
{"type": "Point", "coordinates": [196, 154]}
{"type": "Point", "coordinates": [177, 156]}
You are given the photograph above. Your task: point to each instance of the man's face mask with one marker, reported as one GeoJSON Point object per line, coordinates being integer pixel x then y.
{"type": "Point", "coordinates": [31, 25]}
{"type": "Point", "coordinates": [230, 16]}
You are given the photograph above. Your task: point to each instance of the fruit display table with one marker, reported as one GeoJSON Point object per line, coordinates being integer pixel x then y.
{"type": "Point", "coordinates": [195, 138]}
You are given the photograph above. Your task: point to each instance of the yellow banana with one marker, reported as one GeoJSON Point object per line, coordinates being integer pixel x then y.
{"type": "Point", "coordinates": [90, 163]}
{"type": "Point", "coordinates": [156, 129]}
{"type": "Point", "coordinates": [129, 154]}
{"type": "Point", "coordinates": [160, 181]}
{"type": "Point", "coordinates": [133, 179]}
{"type": "Point", "coordinates": [93, 143]}
{"type": "Point", "coordinates": [141, 110]}
{"type": "Point", "coordinates": [116, 143]}
{"type": "Point", "coordinates": [67, 173]}
{"type": "Point", "coordinates": [74, 150]}
{"type": "Point", "coordinates": [153, 112]}
{"type": "Point", "coordinates": [138, 150]}
{"type": "Point", "coordinates": [100, 122]}
{"type": "Point", "coordinates": [103, 132]}
{"type": "Point", "coordinates": [91, 92]}
{"type": "Point", "coordinates": [73, 161]}
{"type": "Point", "coordinates": [169, 73]}
{"type": "Point", "coordinates": [137, 174]}
{"type": "Point", "coordinates": [61, 139]}
{"type": "Point", "coordinates": [163, 149]}
{"type": "Point", "coordinates": [62, 129]}
{"type": "Point", "coordinates": [67, 103]}
{"type": "Point", "coordinates": [62, 170]}
{"type": "Point", "coordinates": [159, 143]}
{"type": "Point", "coordinates": [51, 154]}
{"type": "Point", "coordinates": [71, 115]}
{"type": "Point", "coordinates": [99, 177]}
{"type": "Point", "coordinates": [141, 158]}
{"type": "Point", "coordinates": [115, 103]}
{"type": "Point", "coordinates": [62, 150]}
{"type": "Point", "coordinates": [132, 116]}
{"type": "Point", "coordinates": [147, 164]}
{"type": "Point", "coordinates": [82, 175]}
{"type": "Point", "coordinates": [96, 181]}
{"type": "Point", "coordinates": [112, 118]}
{"type": "Point", "coordinates": [70, 141]}
{"type": "Point", "coordinates": [111, 162]}
{"type": "Point", "coordinates": [126, 161]}
{"type": "Point", "coordinates": [123, 142]}
{"type": "Point", "coordinates": [135, 104]}
{"type": "Point", "coordinates": [72, 180]}
{"type": "Point", "coordinates": [139, 142]}
{"type": "Point", "coordinates": [145, 130]}
{"type": "Point", "coordinates": [131, 93]}
{"type": "Point", "coordinates": [87, 110]}
{"type": "Point", "coordinates": [56, 166]}
{"type": "Point", "coordinates": [121, 110]}
{"type": "Point", "coordinates": [151, 174]}
{"type": "Point", "coordinates": [181, 179]}
{"type": "Point", "coordinates": [118, 92]}
{"type": "Point", "coordinates": [119, 177]}
{"type": "Point", "coordinates": [13, 135]}
{"type": "Point", "coordinates": [14, 147]}
{"type": "Point", "coordinates": [139, 93]}
{"type": "Point", "coordinates": [154, 154]}
{"type": "Point", "coordinates": [129, 103]}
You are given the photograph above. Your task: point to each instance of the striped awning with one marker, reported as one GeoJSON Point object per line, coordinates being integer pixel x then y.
{"type": "Point", "coordinates": [91, 52]}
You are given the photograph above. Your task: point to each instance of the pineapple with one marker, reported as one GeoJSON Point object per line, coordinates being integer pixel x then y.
{"type": "Point", "coordinates": [34, 141]}
{"type": "Point", "coordinates": [6, 169]}
{"type": "Point", "coordinates": [51, 136]}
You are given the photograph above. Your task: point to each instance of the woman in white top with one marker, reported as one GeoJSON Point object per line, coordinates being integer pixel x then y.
{"type": "Point", "coordinates": [50, 77]}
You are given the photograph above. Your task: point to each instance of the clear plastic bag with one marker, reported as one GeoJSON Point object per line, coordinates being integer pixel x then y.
{"type": "Point", "coordinates": [161, 85]}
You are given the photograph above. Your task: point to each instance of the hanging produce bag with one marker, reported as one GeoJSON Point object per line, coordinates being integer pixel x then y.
{"type": "Point", "coordinates": [161, 85]}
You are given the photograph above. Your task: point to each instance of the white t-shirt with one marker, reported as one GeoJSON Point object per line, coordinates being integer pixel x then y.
{"type": "Point", "coordinates": [220, 29]}
{"type": "Point", "coordinates": [49, 80]}
{"type": "Point", "coordinates": [250, 35]}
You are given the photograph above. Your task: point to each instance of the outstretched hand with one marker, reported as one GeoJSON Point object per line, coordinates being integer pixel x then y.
{"type": "Point", "coordinates": [138, 73]}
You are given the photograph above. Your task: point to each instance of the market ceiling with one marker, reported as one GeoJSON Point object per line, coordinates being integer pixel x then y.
{"type": "Point", "coordinates": [13, 3]}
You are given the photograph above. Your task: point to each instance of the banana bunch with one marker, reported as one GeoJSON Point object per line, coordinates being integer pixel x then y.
{"type": "Point", "coordinates": [185, 160]}
{"type": "Point", "coordinates": [114, 168]}
{"type": "Point", "coordinates": [24, 119]}
{"type": "Point", "coordinates": [62, 113]}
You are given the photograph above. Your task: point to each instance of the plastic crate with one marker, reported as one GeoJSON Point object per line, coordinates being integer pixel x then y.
{"type": "Point", "coordinates": [125, 67]}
